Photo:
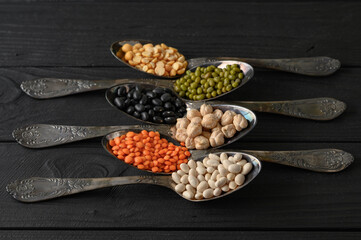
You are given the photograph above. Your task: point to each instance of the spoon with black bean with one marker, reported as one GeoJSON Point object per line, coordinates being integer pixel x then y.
{"type": "Point", "coordinates": [315, 108]}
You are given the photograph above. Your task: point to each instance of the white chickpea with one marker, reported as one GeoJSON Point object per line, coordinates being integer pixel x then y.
{"type": "Point", "coordinates": [206, 134]}
{"type": "Point", "coordinates": [181, 135]}
{"type": "Point", "coordinates": [216, 139]}
{"type": "Point", "coordinates": [240, 122]}
{"type": "Point", "coordinates": [227, 117]}
{"type": "Point", "coordinates": [218, 114]}
{"type": "Point", "coordinates": [194, 130]}
{"type": "Point", "coordinates": [196, 120]}
{"type": "Point", "coordinates": [206, 109]}
{"type": "Point", "coordinates": [193, 113]}
{"type": "Point", "coordinates": [229, 130]}
{"type": "Point", "coordinates": [182, 123]}
{"type": "Point", "coordinates": [218, 127]}
{"type": "Point", "coordinates": [201, 142]}
{"type": "Point", "coordinates": [209, 121]}
{"type": "Point", "coordinates": [189, 142]}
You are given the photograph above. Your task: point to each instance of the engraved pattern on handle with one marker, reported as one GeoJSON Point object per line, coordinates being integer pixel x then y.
{"type": "Point", "coordinates": [319, 160]}
{"type": "Point", "coordinates": [38, 189]}
{"type": "Point", "coordinates": [316, 109]}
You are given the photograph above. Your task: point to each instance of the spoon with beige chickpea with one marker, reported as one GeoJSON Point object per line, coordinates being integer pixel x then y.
{"type": "Point", "coordinates": [315, 109]}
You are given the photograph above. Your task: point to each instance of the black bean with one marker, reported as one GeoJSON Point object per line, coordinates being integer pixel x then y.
{"type": "Point", "coordinates": [147, 107]}
{"type": "Point", "coordinates": [121, 91]}
{"type": "Point", "coordinates": [170, 120]}
{"type": "Point", "coordinates": [130, 110]}
{"type": "Point", "coordinates": [132, 102]}
{"type": "Point", "coordinates": [168, 114]}
{"type": "Point", "coordinates": [178, 103]}
{"type": "Point", "coordinates": [136, 114]}
{"type": "Point", "coordinates": [157, 102]}
{"type": "Point", "coordinates": [165, 97]}
{"type": "Point", "coordinates": [179, 115]}
{"type": "Point", "coordinates": [169, 106]}
{"type": "Point", "coordinates": [182, 110]}
{"type": "Point", "coordinates": [139, 107]}
{"type": "Point", "coordinates": [159, 91]}
{"type": "Point", "coordinates": [130, 94]}
{"type": "Point", "coordinates": [151, 94]}
{"type": "Point", "coordinates": [151, 112]}
{"type": "Point", "coordinates": [168, 91]}
{"type": "Point", "coordinates": [137, 95]}
{"type": "Point", "coordinates": [157, 119]}
{"type": "Point", "coordinates": [143, 100]}
{"type": "Point", "coordinates": [158, 109]}
{"type": "Point", "coordinates": [127, 102]}
{"type": "Point", "coordinates": [144, 116]}
{"type": "Point", "coordinates": [138, 88]}
{"type": "Point", "coordinates": [119, 102]}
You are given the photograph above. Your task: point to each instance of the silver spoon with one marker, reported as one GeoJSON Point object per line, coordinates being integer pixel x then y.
{"type": "Point", "coordinates": [315, 108]}
{"type": "Point", "coordinates": [44, 135]}
{"type": "Point", "coordinates": [39, 189]}
{"type": "Point", "coordinates": [311, 66]}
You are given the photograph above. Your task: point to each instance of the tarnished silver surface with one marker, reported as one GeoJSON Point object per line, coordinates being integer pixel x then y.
{"type": "Point", "coordinates": [46, 135]}
{"type": "Point", "coordinates": [39, 189]}
{"type": "Point", "coordinates": [319, 160]}
{"type": "Point", "coordinates": [311, 66]}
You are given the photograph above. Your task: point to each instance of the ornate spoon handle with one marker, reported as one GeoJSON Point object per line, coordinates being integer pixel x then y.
{"type": "Point", "coordinates": [45, 135]}
{"type": "Point", "coordinates": [38, 189]}
{"type": "Point", "coordinates": [312, 66]}
{"type": "Point", "coordinates": [319, 160]}
{"type": "Point", "coordinates": [43, 88]}
{"type": "Point", "coordinates": [315, 108]}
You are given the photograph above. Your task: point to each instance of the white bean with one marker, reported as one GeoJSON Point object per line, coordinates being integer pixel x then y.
{"type": "Point", "coordinates": [247, 168]}
{"type": "Point", "coordinates": [208, 193]}
{"type": "Point", "coordinates": [184, 167]}
{"type": "Point", "coordinates": [214, 175]}
{"type": "Point", "coordinates": [219, 176]}
{"type": "Point", "coordinates": [214, 157]}
{"type": "Point", "coordinates": [190, 188]}
{"type": "Point", "coordinates": [213, 162]}
{"type": "Point", "coordinates": [205, 160]}
{"type": "Point", "coordinates": [237, 157]}
{"type": "Point", "coordinates": [226, 163]}
{"type": "Point", "coordinates": [212, 183]}
{"type": "Point", "coordinates": [220, 182]}
{"type": "Point", "coordinates": [193, 172]}
{"type": "Point", "coordinates": [199, 164]}
{"type": "Point", "coordinates": [180, 187]}
{"type": "Point", "coordinates": [231, 176]}
{"type": "Point", "coordinates": [210, 169]}
{"type": "Point", "coordinates": [188, 195]}
{"type": "Point", "coordinates": [234, 168]}
{"type": "Point", "coordinates": [198, 196]}
{"type": "Point", "coordinates": [223, 156]}
{"type": "Point", "coordinates": [217, 192]}
{"type": "Point", "coordinates": [184, 179]}
{"type": "Point", "coordinates": [225, 188]}
{"type": "Point", "coordinates": [242, 162]}
{"type": "Point", "coordinates": [180, 173]}
{"type": "Point", "coordinates": [176, 177]}
{"type": "Point", "coordinates": [192, 164]}
{"type": "Point", "coordinates": [207, 176]}
{"type": "Point", "coordinates": [239, 179]}
{"type": "Point", "coordinates": [193, 181]}
{"type": "Point", "coordinates": [222, 170]}
{"type": "Point", "coordinates": [200, 178]}
{"type": "Point", "coordinates": [231, 159]}
{"type": "Point", "coordinates": [201, 170]}
{"type": "Point", "coordinates": [202, 186]}
{"type": "Point", "coordinates": [232, 185]}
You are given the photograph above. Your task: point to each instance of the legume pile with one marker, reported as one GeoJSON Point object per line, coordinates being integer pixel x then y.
{"type": "Point", "coordinates": [160, 59]}
{"type": "Point", "coordinates": [208, 82]}
{"type": "Point", "coordinates": [212, 177]}
{"type": "Point", "coordinates": [208, 127]}
{"type": "Point", "coordinates": [159, 105]}
{"type": "Point", "coordinates": [147, 151]}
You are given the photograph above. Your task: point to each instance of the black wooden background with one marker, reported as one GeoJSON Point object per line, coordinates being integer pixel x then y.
{"type": "Point", "coordinates": [71, 39]}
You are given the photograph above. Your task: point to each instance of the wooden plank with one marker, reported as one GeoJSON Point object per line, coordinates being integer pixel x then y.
{"type": "Point", "coordinates": [279, 198]}
{"type": "Point", "coordinates": [167, 234]}
{"type": "Point", "coordinates": [78, 34]}
{"type": "Point", "coordinates": [18, 109]}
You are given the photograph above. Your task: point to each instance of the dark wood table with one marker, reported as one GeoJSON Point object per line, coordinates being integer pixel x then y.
{"type": "Point", "coordinates": [71, 40]}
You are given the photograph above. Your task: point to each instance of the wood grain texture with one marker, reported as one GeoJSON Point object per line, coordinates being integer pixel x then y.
{"type": "Point", "coordinates": [18, 109]}
{"type": "Point", "coordinates": [280, 197]}
{"type": "Point", "coordinates": [79, 34]}
{"type": "Point", "coordinates": [171, 234]}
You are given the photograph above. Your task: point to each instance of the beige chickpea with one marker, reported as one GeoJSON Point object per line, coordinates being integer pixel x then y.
{"type": "Point", "coordinates": [218, 113]}
{"type": "Point", "coordinates": [201, 142]}
{"type": "Point", "coordinates": [206, 134]}
{"type": "Point", "coordinates": [181, 134]}
{"type": "Point", "coordinates": [209, 121]}
{"type": "Point", "coordinates": [182, 123]}
{"type": "Point", "coordinates": [229, 130]}
{"type": "Point", "coordinates": [196, 120]}
{"type": "Point", "coordinates": [240, 122]}
{"type": "Point", "coordinates": [216, 138]}
{"type": "Point", "coordinates": [194, 130]}
{"type": "Point", "coordinates": [206, 109]}
{"type": "Point", "coordinates": [193, 113]}
{"type": "Point", "coordinates": [189, 142]}
{"type": "Point", "coordinates": [227, 117]}
{"type": "Point", "coordinates": [218, 127]}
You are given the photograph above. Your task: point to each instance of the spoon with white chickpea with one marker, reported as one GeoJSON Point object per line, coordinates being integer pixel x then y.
{"type": "Point", "coordinates": [193, 185]}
